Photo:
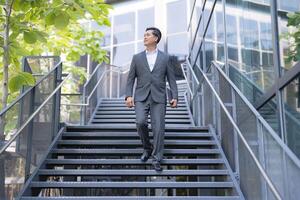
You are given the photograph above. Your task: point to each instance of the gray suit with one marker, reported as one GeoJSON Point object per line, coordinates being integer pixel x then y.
{"type": "Point", "coordinates": [150, 95]}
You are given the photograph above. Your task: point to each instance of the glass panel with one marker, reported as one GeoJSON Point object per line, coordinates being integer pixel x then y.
{"type": "Point", "coordinates": [231, 29]}
{"type": "Point", "coordinates": [220, 52]}
{"type": "Point", "coordinates": [233, 54]}
{"type": "Point", "coordinates": [178, 44]}
{"type": "Point", "coordinates": [289, 5]}
{"type": "Point", "coordinates": [269, 113]}
{"type": "Point", "coordinates": [286, 7]}
{"type": "Point", "coordinates": [250, 42]}
{"type": "Point", "coordinates": [176, 21]}
{"type": "Point", "coordinates": [249, 33]}
{"type": "Point", "coordinates": [209, 53]}
{"type": "Point", "coordinates": [210, 30]}
{"type": "Point", "coordinates": [219, 26]}
{"type": "Point", "coordinates": [145, 19]}
{"type": "Point", "coordinates": [122, 54]}
{"type": "Point", "coordinates": [124, 28]}
{"type": "Point", "coordinates": [266, 40]}
{"type": "Point", "coordinates": [291, 94]}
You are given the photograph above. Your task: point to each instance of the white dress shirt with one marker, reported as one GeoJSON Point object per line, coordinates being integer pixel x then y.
{"type": "Point", "coordinates": [151, 58]}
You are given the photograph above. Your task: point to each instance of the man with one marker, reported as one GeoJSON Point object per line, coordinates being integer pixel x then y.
{"type": "Point", "coordinates": [151, 67]}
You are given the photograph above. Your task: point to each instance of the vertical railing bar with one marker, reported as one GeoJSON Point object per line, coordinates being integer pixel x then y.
{"type": "Point", "coordinates": [235, 136]}
{"type": "Point", "coordinates": [261, 152]}
{"type": "Point", "coordinates": [29, 136]}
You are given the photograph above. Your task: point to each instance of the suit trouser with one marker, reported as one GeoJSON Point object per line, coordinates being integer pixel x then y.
{"type": "Point", "coordinates": [157, 114]}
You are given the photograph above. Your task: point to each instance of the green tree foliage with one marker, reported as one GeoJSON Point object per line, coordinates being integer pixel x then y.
{"type": "Point", "coordinates": [294, 37]}
{"type": "Point", "coordinates": [55, 27]}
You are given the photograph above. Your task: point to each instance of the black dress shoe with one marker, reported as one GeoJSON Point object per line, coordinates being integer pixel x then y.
{"type": "Point", "coordinates": [156, 166]}
{"type": "Point", "coordinates": [145, 156]}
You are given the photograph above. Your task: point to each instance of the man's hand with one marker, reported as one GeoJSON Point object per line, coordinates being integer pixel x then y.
{"type": "Point", "coordinates": [173, 103]}
{"type": "Point", "coordinates": [129, 102]}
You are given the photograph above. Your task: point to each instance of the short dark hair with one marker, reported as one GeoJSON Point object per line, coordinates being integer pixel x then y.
{"type": "Point", "coordinates": [155, 32]}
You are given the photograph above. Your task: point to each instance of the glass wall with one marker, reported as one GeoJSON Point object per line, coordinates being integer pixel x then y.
{"type": "Point", "coordinates": [239, 33]}
{"type": "Point", "coordinates": [243, 36]}
{"type": "Point", "coordinates": [129, 21]}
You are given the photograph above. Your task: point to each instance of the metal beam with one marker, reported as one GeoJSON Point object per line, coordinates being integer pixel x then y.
{"type": "Point", "coordinates": [283, 81]}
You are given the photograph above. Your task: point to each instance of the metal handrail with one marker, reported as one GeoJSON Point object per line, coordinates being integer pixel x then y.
{"type": "Point", "coordinates": [94, 72]}
{"type": "Point", "coordinates": [260, 118]}
{"type": "Point", "coordinates": [190, 90]}
{"type": "Point", "coordinates": [86, 103]}
{"type": "Point", "coordinates": [198, 83]}
{"type": "Point", "coordinates": [28, 90]}
{"type": "Point", "coordinates": [32, 116]}
{"type": "Point", "coordinates": [235, 126]}
{"type": "Point", "coordinates": [288, 113]}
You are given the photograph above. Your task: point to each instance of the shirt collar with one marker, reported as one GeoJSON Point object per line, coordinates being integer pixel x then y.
{"type": "Point", "coordinates": [154, 52]}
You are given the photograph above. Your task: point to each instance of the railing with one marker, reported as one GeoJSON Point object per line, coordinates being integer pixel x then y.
{"type": "Point", "coordinates": [264, 166]}
{"type": "Point", "coordinates": [28, 125]}
{"type": "Point", "coordinates": [106, 81]}
{"type": "Point", "coordinates": [254, 94]}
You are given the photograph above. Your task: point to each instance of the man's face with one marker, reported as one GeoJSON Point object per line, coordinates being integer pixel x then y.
{"type": "Point", "coordinates": [149, 38]}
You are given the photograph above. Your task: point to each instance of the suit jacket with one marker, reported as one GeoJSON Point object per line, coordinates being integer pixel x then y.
{"type": "Point", "coordinates": [154, 81]}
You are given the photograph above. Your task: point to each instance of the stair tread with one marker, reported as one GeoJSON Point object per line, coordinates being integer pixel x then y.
{"type": "Point", "coordinates": [134, 151]}
{"type": "Point", "coordinates": [178, 128]}
{"type": "Point", "coordinates": [134, 172]}
{"type": "Point", "coordinates": [52, 184]}
{"type": "Point", "coordinates": [133, 116]}
{"type": "Point", "coordinates": [178, 121]}
{"type": "Point", "coordinates": [134, 134]}
{"type": "Point", "coordinates": [135, 142]}
{"type": "Point", "coordinates": [125, 108]}
{"type": "Point", "coordinates": [134, 161]}
{"type": "Point", "coordinates": [135, 198]}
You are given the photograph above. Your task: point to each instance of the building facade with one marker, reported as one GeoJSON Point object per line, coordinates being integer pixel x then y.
{"type": "Point", "coordinates": [246, 36]}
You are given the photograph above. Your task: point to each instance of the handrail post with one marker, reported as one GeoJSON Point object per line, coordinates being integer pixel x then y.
{"type": "Point", "coordinates": [56, 102]}
{"type": "Point", "coordinates": [83, 108]}
{"type": "Point", "coordinates": [29, 136]}
{"type": "Point", "coordinates": [118, 89]}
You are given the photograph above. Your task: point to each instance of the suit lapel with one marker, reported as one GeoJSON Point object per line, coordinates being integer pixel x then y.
{"type": "Point", "coordinates": [144, 57]}
{"type": "Point", "coordinates": [157, 60]}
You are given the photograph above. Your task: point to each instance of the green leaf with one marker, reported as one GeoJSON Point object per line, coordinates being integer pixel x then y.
{"type": "Point", "coordinates": [29, 37]}
{"type": "Point", "coordinates": [19, 80]}
{"type": "Point", "coordinates": [62, 20]}
{"type": "Point", "coordinates": [50, 18]}
{"type": "Point", "coordinates": [41, 36]}
{"type": "Point", "coordinates": [106, 22]}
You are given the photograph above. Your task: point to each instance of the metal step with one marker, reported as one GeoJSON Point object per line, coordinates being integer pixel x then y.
{"type": "Point", "coordinates": [132, 161]}
{"type": "Point", "coordinates": [177, 121]}
{"type": "Point", "coordinates": [178, 129]}
{"type": "Point", "coordinates": [130, 172]}
{"type": "Point", "coordinates": [180, 97]}
{"type": "Point", "coordinates": [130, 135]}
{"type": "Point", "coordinates": [132, 112]}
{"type": "Point", "coordinates": [135, 198]}
{"type": "Point", "coordinates": [134, 142]}
{"type": "Point", "coordinates": [123, 185]}
{"type": "Point", "coordinates": [99, 109]}
{"type": "Point", "coordinates": [123, 152]}
{"type": "Point", "coordinates": [100, 116]}
{"type": "Point", "coordinates": [123, 105]}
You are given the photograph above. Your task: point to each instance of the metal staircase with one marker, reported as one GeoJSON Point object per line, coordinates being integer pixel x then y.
{"type": "Point", "coordinates": [217, 146]}
{"type": "Point", "coordinates": [101, 160]}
